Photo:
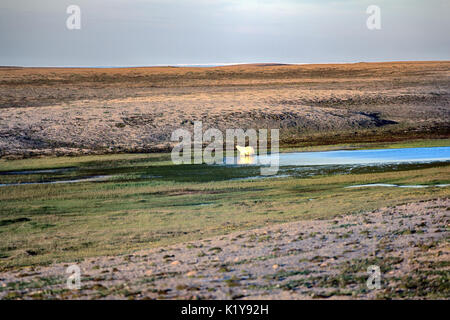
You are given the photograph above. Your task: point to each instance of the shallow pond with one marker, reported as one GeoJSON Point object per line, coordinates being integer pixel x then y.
{"type": "Point", "coordinates": [299, 164]}
{"type": "Point", "coordinates": [350, 157]}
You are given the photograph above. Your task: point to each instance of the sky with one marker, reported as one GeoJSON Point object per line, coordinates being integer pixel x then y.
{"type": "Point", "coordinates": [187, 32]}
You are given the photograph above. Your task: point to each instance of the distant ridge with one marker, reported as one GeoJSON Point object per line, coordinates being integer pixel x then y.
{"type": "Point", "coordinates": [215, 65]}
{"type": "Point", "coordinates": [220, 65]}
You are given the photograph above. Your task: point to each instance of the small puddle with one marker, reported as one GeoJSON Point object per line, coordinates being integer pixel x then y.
{"type": "Point", "coordinates": [90, 179]}
{"type": "Point", "coordinates": [417, 186]}
{"type": "Point", "coordinates": [260, 177]}
{"type": "Point", "coordinates": [26, 172]}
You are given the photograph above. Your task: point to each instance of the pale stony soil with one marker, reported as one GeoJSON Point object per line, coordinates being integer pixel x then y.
{"type": "Point", "coordinates": [82, 111]}
{"type": "Point", "coordinates": [301, 260]}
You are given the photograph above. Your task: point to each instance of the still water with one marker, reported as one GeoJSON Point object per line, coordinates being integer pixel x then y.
{"type": "Point", "coordinates": [350, 157]}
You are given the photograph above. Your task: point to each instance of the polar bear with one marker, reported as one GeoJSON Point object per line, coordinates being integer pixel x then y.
{"type": "Point", "coordinates": [246, 151]}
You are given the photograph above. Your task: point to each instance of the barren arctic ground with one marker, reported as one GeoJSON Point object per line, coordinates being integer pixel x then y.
{"type": "Point", "coordinates": [140, 227]}
{"type": "Point", "coordinates": [299, 260]}
{"type": "Point", "coordinates": [51, 111]}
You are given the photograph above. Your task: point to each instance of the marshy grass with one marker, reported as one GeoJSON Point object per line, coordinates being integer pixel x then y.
{"type": "Point", "coordinates": [152, 203]}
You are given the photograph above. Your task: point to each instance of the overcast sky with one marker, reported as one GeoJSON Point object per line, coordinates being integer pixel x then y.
{"type": "Point", "coordinates": [171, 32]}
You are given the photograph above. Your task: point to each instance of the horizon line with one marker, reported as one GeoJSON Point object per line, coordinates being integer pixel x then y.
{"type": "Point", "coordinates": [213, 65]}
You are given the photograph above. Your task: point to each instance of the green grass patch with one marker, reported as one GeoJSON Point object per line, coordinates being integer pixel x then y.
{"type": "Point", "coordinates": [151, 203]}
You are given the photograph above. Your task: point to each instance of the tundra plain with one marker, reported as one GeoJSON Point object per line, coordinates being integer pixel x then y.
{"type": "Point", "coordinates": [141, 227]}
{"type": "Point", "coordinates": [55, 111]}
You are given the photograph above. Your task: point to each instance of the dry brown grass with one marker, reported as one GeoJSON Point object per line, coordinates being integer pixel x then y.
{"type": "Point", "coordinates": [73, 111]}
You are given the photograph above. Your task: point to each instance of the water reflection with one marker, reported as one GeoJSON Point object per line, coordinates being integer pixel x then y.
{"type": "Point", "coordinates": [246, 160]}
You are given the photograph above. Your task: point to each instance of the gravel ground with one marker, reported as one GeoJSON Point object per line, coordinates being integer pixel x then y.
{"type": "Point", "coordinates": [301, 260]}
